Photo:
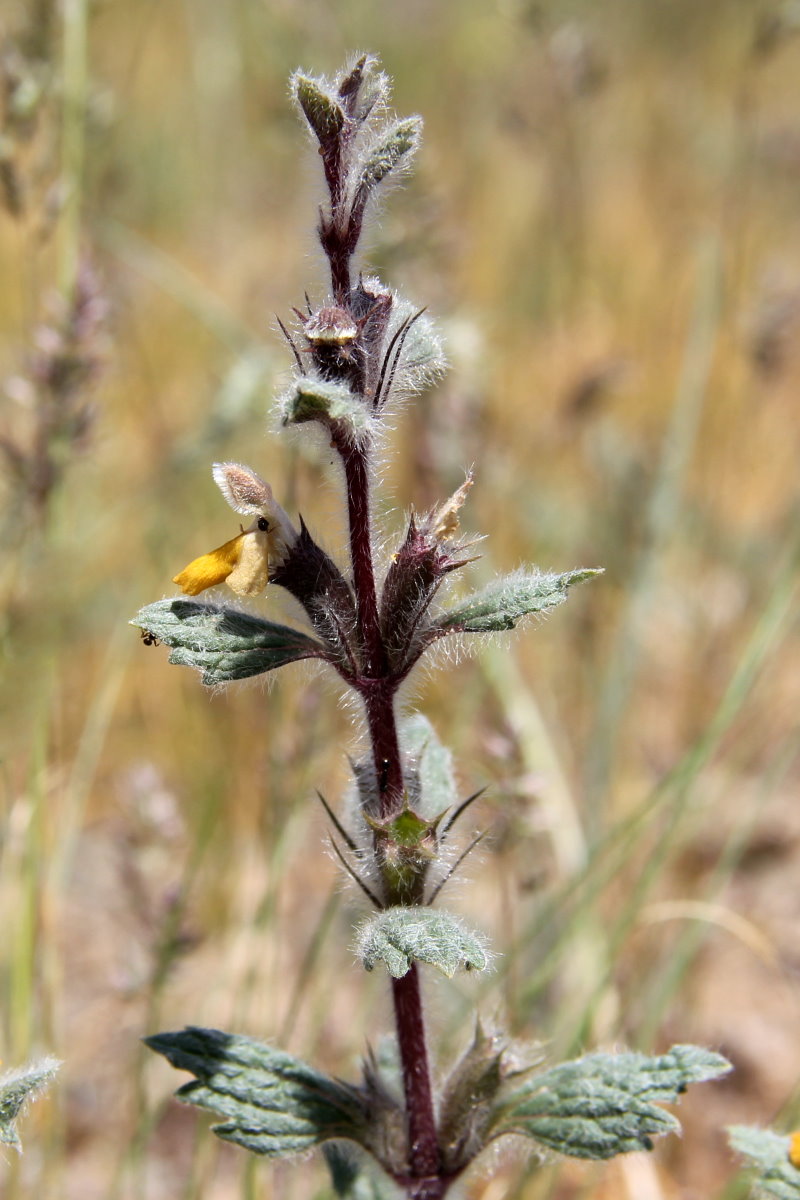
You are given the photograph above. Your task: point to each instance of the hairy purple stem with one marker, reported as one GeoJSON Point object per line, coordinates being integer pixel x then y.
{"type": "Point", "coordinates": [379, 700]}
{"type": "Point", "coordinates": [339, 252]}
{"type": "Point", "coordinates": [356, 471]}
{"type": "Point", "coordinates": [378, 690]}
{"type": "Point", "coordinates": [339, 233]}
{"type": "Point", "coordinates": [426, 1181]}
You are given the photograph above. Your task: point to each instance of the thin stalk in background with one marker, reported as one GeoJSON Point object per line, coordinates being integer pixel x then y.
{"type": "Point", "coordinates": [73, 139]}
{"type": "Point", "coordinates": [662, 513]}
{"type": "Point", "coordinates": [571, 904]}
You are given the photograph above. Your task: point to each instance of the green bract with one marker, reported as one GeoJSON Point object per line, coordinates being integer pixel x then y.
{"type": "Point", "coordinates": [223, 643]}
{"type": "Point", "coordinates": [318, 400]}
{"type": "Point", "coordinates": [504, 601]}
{"type": "Point", "coordinates": [400, 936]}
{"type": "Point", "coordinates": [323, 113]}
{"type": "Point", "coordinates": [605, 1104]}
{"type": "Point", "coordinates": [349, 1179]}
{"type": "Point", "coordinates": [393, 146]}
{"type": "Point", "coordinates": [17, 1088]}
{"type": "Point", "coordinates": [431, 786]}
{"type": "Point", "coordinates": [273, 1104]}
{"type": "Point", "coordinates": [768, 1151]}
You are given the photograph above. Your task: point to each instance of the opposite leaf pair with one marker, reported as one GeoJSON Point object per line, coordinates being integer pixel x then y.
{"type": "Point", "coordinates": [593, 1108]}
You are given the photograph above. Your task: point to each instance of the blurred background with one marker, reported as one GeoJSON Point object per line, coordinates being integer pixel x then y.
{"type": "Point", "coordinates": [605, 220]}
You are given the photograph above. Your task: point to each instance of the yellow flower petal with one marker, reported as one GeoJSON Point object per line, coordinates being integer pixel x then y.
{"type": "Point", "coordinates": [794, 1149]}
{"type": "Point", "coordinates": [251, 574]}
{"type": "Point", "coordinates": [210, 569]}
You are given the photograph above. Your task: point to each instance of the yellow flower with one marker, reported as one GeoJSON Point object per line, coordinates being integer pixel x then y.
{"type": "Point", "coordinates": [794, 1149]}
{"type": "Point", "coordinates": [242, 563]}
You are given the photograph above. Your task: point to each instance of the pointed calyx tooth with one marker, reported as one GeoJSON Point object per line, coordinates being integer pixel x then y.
{"type": "Point", "coordinates": [429, 552]}
{"type": "Point", "coordinates": [311, 576]}
{"type": "Point", "coordinates": [351, 80]}
{"type": "Point", "coordinates": [465, 1112]}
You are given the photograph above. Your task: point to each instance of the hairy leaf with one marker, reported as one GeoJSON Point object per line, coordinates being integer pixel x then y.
{"type": "Point", "coordinates": [394, 144]}
{"type": "Point", "coordinates": [223, 643]}
{"type": "Point", "coordinates": [17, 1088]}
{"type": "Point", "coordinates": [500, 605]}
{"type": "Point", "coordinates": [353, 1178]}
{"type": "Point", "coordinates": [273, 1104]}
{"type": "Point", "coordinates": [323, 113]}
{"type": "Point", "coordinates": [312, 399]}
{"type": "Point", "coordinates": [431, 785]}
{"type": "Point", "coordinates": [400, 936]}
{"type": "Point", "coordinates": [363, 87]}
{"type": "Point", "coordinates": [605, 1104]}
{"type": "Point", "coordinates": [778, 1176]}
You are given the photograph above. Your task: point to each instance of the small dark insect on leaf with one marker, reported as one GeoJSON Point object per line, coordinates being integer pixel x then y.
{"type": "Point", "coordinates": [149, 638]}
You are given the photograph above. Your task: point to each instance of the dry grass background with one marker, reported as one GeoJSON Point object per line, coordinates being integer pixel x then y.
{"type": "Point", "coordinates": [604, 218]}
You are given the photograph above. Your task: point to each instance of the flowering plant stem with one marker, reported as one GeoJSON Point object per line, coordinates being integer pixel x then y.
{"type": "Point", "coordinates": [372, 624]}
{"type": "Point", "coordinates": [426, 1182]}
{"type": "Point", "coordinates": [378, 690]}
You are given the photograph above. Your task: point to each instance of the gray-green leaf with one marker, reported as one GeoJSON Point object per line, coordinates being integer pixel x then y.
{"type": "Point", "coordinates": [605, 1104]}
{"type": "Point", "coordinates": [223, 643]}
{"type": "Point", "coordinates": [273, 1104]}
{"type": "Point", "coordinates": [431, 785]}
{"type": "Point", "coordinates": [400, 936]}
{"type": "Point", "coordinates": [769, 1151]}
{"type": "Point", "coordinates": [312, 399]}
{"type": "Point", "coordinates": [17, 1088]}
{"type": "Point", "coordinates": [504, 601]}
{"type": "Point", "coordinates": [323, 113]}
{"type": "Point", "coordinates": [356, 1179]}
{"type": "Point", "coordinates": [399, 141]}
